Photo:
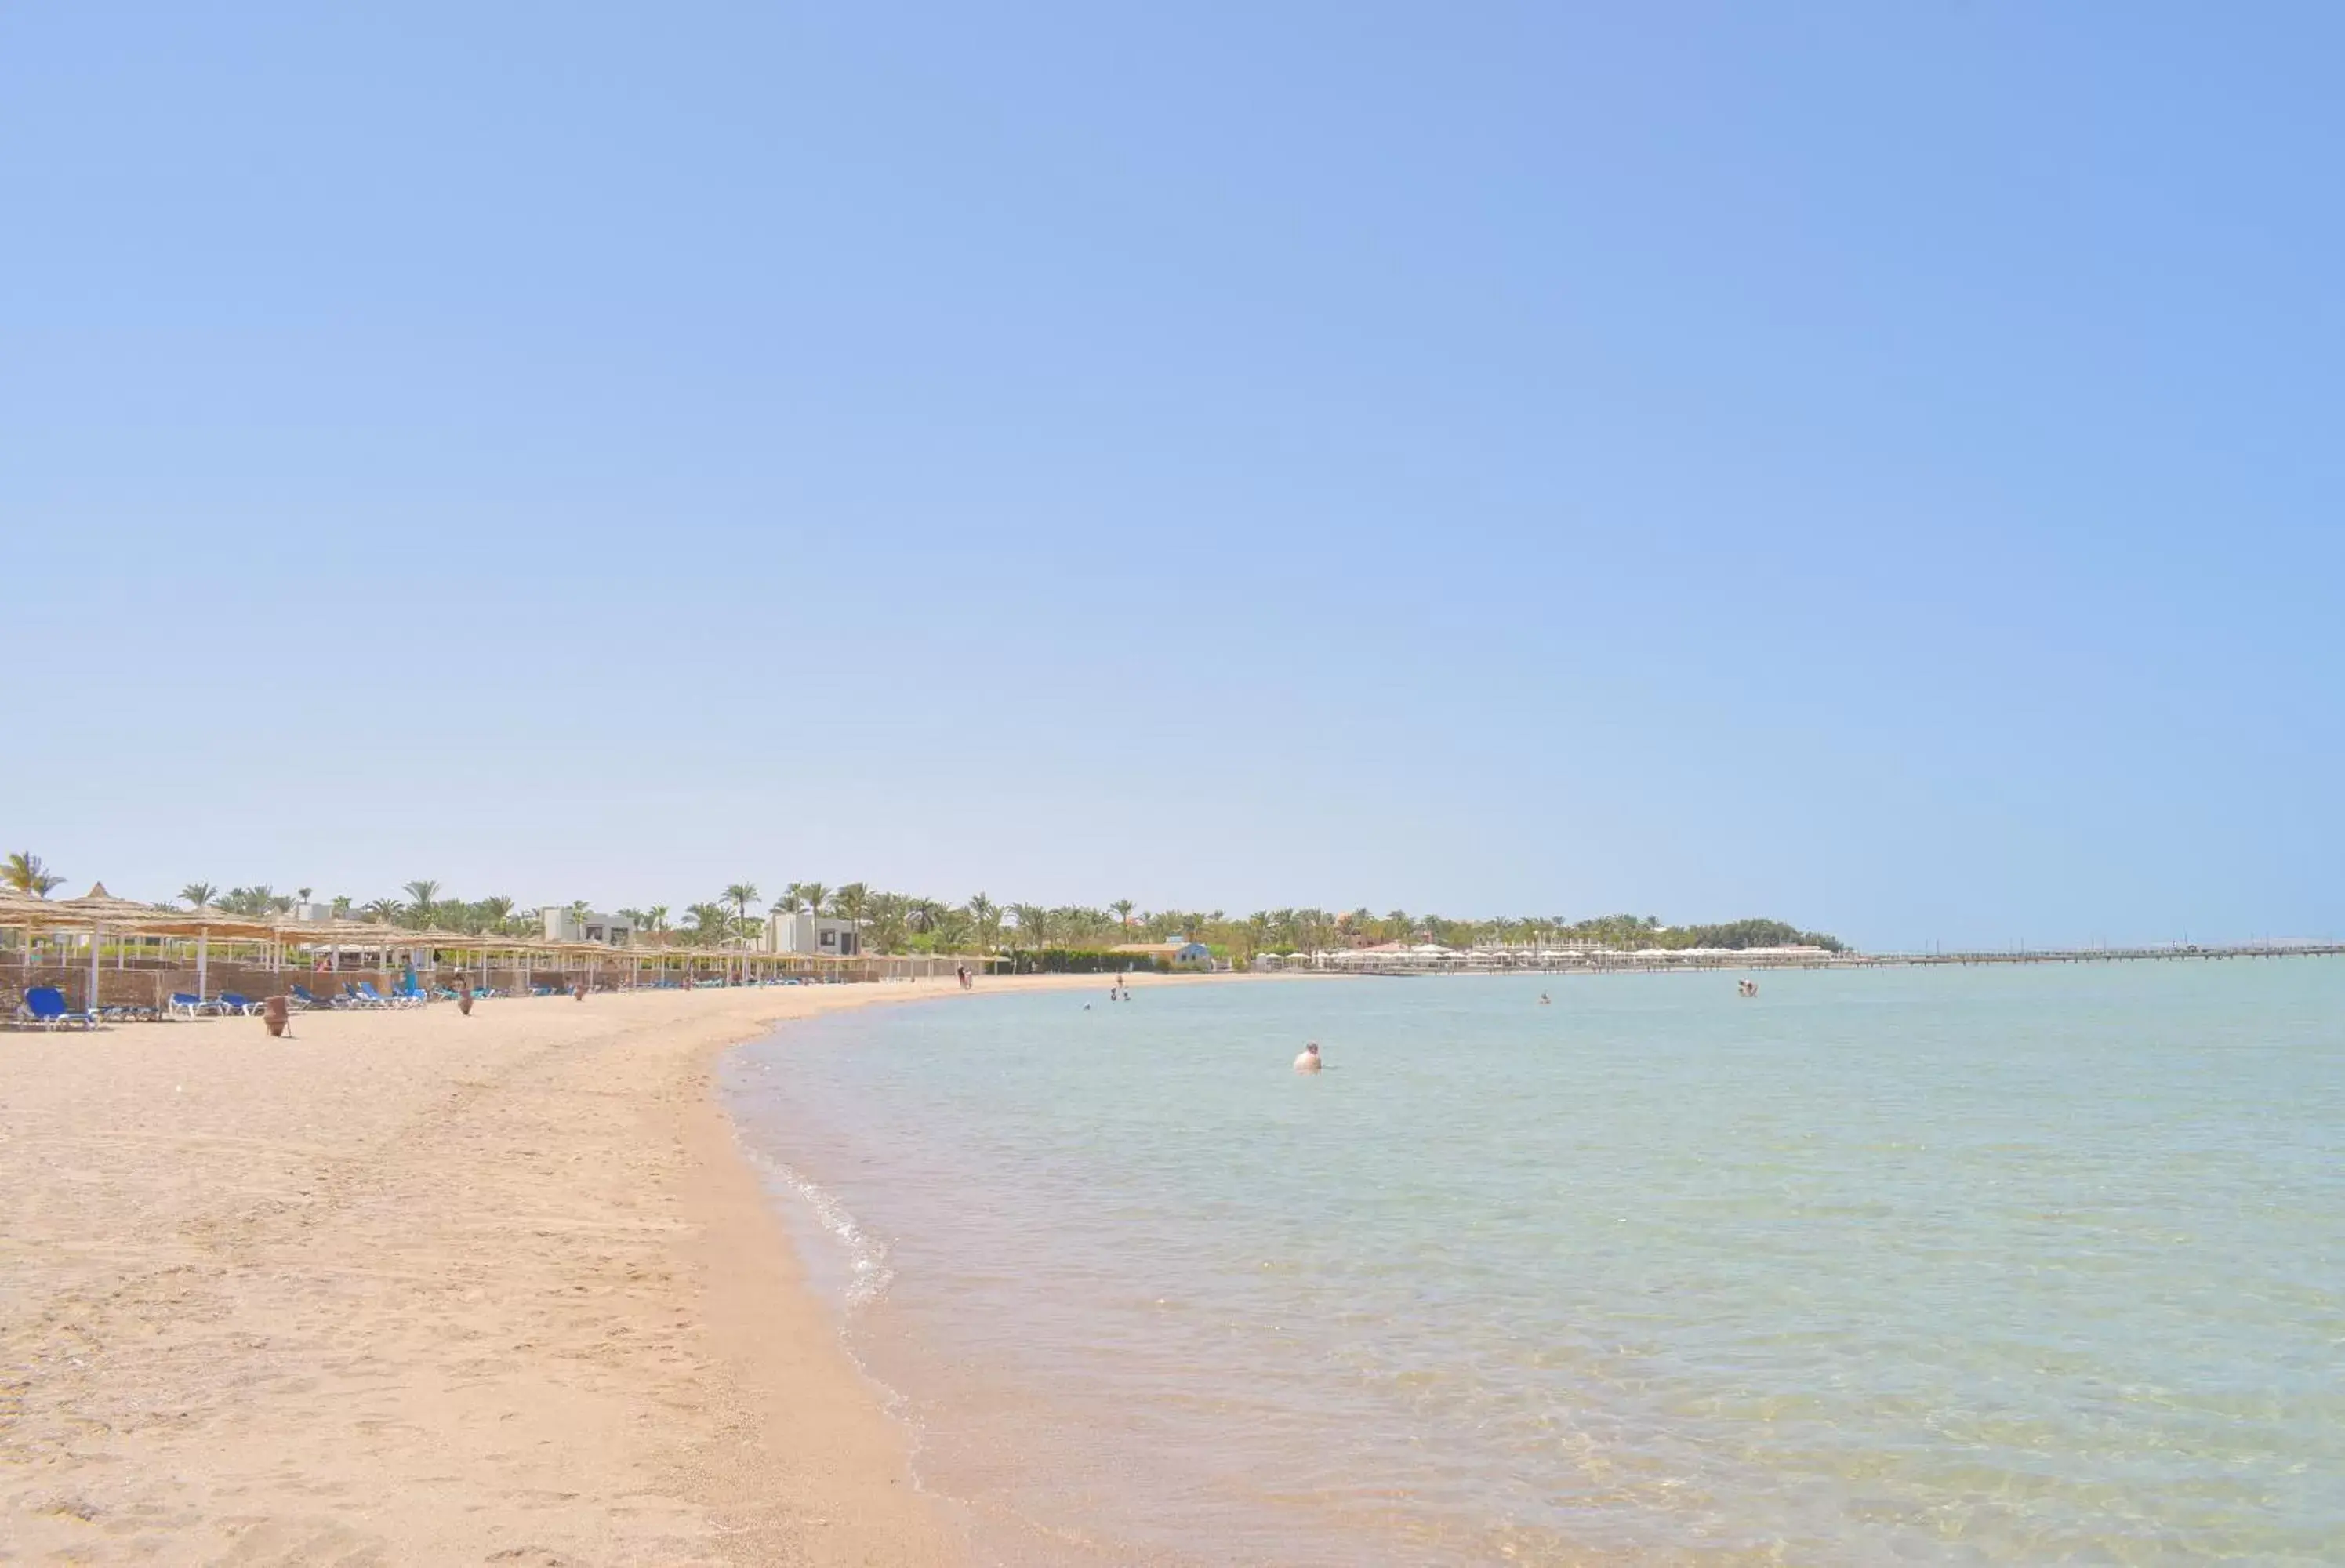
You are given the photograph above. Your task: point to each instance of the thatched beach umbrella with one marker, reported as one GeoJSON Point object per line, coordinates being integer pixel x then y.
{"type": "Point", "coordinates": [32, 915]}
{"type": "Point", "coordinates": [100, 910]}
{"type": "Point", "coordinates": [203, 924]}
{"type": "Point", "coordinates": [337, 935]}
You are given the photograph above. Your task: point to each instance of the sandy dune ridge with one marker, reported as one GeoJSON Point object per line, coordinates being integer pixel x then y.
{"type": "Point", "coordinates": [410, 1288]}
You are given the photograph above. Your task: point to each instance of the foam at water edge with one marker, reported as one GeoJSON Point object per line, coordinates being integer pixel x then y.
{"type": "Point", "coordinates": [869, 1274]}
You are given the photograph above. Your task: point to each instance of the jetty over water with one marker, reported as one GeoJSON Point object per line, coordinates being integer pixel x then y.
{"type": "Point", "coordinates": [1428, 958]}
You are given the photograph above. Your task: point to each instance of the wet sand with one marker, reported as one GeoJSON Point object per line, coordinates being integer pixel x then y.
{"type": "Point", "coordinates": [415, 1288]}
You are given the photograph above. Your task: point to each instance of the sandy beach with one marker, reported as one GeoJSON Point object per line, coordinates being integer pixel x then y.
{"type": "Point", "coordinates": [414, 1288]}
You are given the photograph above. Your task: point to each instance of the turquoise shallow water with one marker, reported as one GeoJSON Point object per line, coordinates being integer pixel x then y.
{"type": "Point", "coordinates": [1973, 1266]}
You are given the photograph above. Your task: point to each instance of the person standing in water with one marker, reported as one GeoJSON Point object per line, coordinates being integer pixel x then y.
{"type": "Point", "coordinates": [1308, 1062]}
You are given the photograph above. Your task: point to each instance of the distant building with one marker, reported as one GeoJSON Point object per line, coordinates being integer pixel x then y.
{"type": "Point", "coordinates": [1175, 954]}
{"type": "Point", "coordinates": [817, 936]}
{"type": "Point", "coordinates": [562, 925]}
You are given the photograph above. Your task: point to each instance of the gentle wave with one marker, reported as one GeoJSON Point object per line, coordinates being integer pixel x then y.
{"type": "Point", "coordinates": [865, 1255]}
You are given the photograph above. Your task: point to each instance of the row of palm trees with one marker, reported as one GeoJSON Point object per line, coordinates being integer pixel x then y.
{"type": "Point", "coordinates": [900, 923]}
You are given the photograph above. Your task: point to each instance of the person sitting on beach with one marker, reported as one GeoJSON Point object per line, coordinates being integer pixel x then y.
{"type": "Point", "coordinates": [1308, 1062]}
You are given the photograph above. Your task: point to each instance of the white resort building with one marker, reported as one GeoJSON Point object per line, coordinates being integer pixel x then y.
{"type": "Point", "coordinates": [563, 924]}
{"type": "Point", "coordinates": [817, 935]}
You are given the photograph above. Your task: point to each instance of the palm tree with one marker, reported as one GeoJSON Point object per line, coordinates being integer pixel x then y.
{"type": "Point", "coordinates": [743, 895]}
{"type": "Point", "coordinates": [814, 894]}
{"type": "Point", "coordinates": [198, 895]}
{"type": "Point", "coordinates": [382, 911]}
{"type": "Point", "coordinates": [947, 928]}
{"type": "Point", "coordinates": [987, 916]}
{"type": "Point", "coordinates": [257, 899]}
{"type": "Point", "coordinates": [424, 894]}
{"type": "Point", "coordinates": [889, 915]}
{"type": "Point", "coordinates": [1124, 908]}
{"type": "Point", "coordinates": [303, 893]}
{"type": "Point", "coordinates": [496, 909]}
{"type": "Point", "coordinates": [1033, 923]}
{"type": "Point", "coordinates": [655, 917]}
{"type": "Point", "coordinates": [25, 873]}
{"type": "Point", "coordinates": [709, 923]}
{"type": "Point", "coordinates": [850, 903]}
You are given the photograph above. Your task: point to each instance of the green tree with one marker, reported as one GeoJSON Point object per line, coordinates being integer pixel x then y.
{"type": "Point", "coordinates": [198, 895]}
{"type": "Point", "coordinates": [851, 904]}
{"type": "Point", "coordinates": [743, 895]}
{"type": "Point", "coordinates": [1124, 908]}
{"type": "Point", "coordinates": [885, 912]}
{"type": "Point", "coordinates": [986, 915]}
{"type": "Point", "coordinates": [23, 871]}
{"type": "Point", "coordinates": [422, 902]}
{"type": "Point", "coordinates": [1033, 923]}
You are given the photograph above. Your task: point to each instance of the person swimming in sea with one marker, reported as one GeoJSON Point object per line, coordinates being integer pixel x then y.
{"type": "Point", "coordinates": [1309, 1062]}
{"type": "Point", "coordinates": [1543, 1001]}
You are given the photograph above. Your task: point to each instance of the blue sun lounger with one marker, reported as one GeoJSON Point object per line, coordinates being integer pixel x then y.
{"type": "Point", "coordinates": [47, 1007]}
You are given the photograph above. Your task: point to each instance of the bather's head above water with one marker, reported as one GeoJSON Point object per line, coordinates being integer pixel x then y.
{"type": "Point", "coordinates": [1308, 1062]}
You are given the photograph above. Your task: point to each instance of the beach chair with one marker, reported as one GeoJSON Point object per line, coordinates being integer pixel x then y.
{"type": "Point", "coordinates": [230, 1002]}
{"type": "Point", "coordinates": [184, 1006]}
{"type": "Point", "coordinates": [409, 995]}
{"type": "Point", "coordinates": [302, 994]}
{"type": "Point", "coordinates": [45, 1006]}
{"type": "Point", "coordinates": [367, 996]}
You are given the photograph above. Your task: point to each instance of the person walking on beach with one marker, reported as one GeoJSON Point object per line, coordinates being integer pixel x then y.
{"type": "Point", "coordinates": [1308, 1062]}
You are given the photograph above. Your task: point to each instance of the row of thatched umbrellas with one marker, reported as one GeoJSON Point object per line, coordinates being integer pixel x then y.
{"type": "Point", "coordinates": [99, 913]}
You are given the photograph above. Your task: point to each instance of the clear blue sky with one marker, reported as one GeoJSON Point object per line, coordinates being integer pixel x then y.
{"type": "Point", "coordinates": [1876, 465]}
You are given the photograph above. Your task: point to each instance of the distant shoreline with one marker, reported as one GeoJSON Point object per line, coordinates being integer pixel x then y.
{"type": "Point", "coordinates": [1663, 961]}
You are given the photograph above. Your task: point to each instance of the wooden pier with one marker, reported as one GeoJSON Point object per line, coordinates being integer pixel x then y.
{"type": "Point", "coordinates": [1657, 960]}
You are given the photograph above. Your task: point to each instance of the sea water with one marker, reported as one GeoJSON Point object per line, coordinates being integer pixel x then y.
{"type": "Point", "coordinates": [1947, 1265]}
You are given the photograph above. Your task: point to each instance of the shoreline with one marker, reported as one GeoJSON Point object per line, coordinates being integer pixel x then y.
{"type": "Point", "coordinates": [410, 1287]}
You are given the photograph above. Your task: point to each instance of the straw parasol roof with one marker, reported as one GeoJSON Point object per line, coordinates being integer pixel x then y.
{"type": "Point", "coordinates": [340, 933]}
{"type": "Point", "coordinates": [206, 921]}
{"type": "Point", "coordinates": [99, 905]}
{"type": "Point", "coordinates": [94, 908]}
